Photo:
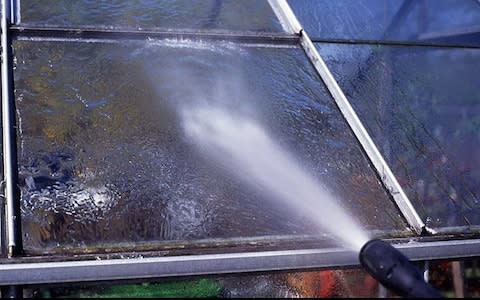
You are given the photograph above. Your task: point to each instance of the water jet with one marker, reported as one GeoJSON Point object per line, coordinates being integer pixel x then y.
{"type": "Point", "coordinates": [245, 148]}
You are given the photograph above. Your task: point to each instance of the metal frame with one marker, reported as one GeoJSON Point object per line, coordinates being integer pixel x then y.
{"type": "Point", "coordinates": [425, 43]}
{"type": "Point", "coordinates": [284, 11]}
{"type": "Point", "coordinates": [10, 169]}
{"type": "Point", "coordinates": [208, 264]}
{"type": "Point", "coordinates": [84, 33]}
{"type": "Point", "coordinates": [16, 271]}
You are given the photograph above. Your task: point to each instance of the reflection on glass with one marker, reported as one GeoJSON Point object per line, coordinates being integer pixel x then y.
{"type": "Point", "coordinates": [315, 284]}
{"type": "Point", "coordinates": [438, 21]}
{"type": "Point", "coordinates": [104, 157]}
{"type": "Point", "coordinates": [422, 107]}
{"type": "Point", "coordinates": [180, 14]}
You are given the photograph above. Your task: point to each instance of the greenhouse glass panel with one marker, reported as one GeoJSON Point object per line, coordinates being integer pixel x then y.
{"type": "Point", "coordinates": [422, 106]}
{"type": "Point", "coordinates": [315, 284]}
{"type": "Point", "coordinates": [178, 140]}
{"type": "Point", "coordinates": [429, 21]}
{"type": "Point", "coordinates": [245, 15]}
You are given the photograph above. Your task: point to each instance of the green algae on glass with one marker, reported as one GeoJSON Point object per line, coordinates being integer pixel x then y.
{"type": "Point", "coordinates": [202, 288]}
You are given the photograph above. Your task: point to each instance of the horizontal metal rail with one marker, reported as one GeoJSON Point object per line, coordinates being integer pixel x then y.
{"type": "Point", "coordinates": [89, 34]}
{"type": "Point", "coordinates": [405, 43]}
{"type": "Point", "coordinates": [217, 264]}
{"type": "Point", "coordinates": [25, 32]}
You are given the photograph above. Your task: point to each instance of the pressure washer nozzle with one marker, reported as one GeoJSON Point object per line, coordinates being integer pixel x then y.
{"type": "Point", "coordinates": [395, 271]}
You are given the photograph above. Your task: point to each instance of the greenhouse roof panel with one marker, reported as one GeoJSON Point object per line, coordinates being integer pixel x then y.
{"type": "Point", "coordinates": [211, 137]}
{"type": "Point", "coordinates": [245, 15]}
{"type": "Point", "coordinates": [184, 140]}
{"type": "Point", "coordinates": [421, 107]}
{"type": "Point", "coordinates": [442, 22]}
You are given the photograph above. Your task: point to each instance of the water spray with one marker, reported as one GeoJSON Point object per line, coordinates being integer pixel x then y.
{"type": "Point", "coordinates": [395, 271]}
{"type": "Point", "coordinates": [244, 148]}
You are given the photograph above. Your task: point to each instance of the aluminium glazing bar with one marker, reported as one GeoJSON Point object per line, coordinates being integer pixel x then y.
{"type": "Point", "coordinates": [10, 177]}
{"type": "Point", "coordinates": [101, 34]}
{"type": "Point", "coordinates": [286, 16]}
{"type": "Point", "coordinates": [14, 11]}
{"type": "Point", "coordinates": [218, 264]}
{"type": "Point", "coordinates": [173, 266]}
{"type": "Point", "coordinates": [405, 43]}
{"type": "Point", "coordinates": [356, 125]}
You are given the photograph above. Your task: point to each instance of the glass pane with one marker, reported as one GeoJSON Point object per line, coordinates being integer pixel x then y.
{"type": "Point", "coordinates": [251, 15]}
{"type": "Point", "coordinates": [422, 107]}
{"type": "Point", "coordinates": [439, 21]}
{"type": "Point", "coordinates": [315, 284]}
{"type": "Point", "coordinates": [179, 141]}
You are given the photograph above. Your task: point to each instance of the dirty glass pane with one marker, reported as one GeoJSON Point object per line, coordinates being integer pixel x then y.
{"type": "Point", "coordinates": [250, 15]}
{"type": "Point", "coordinates": [168, 140]}
{"type": "Point", "coordinates": [345, 283]}
{"type": "Point", "coordinates": [422, 107]}
{"type": "Point", "coordinates": [433, 21]}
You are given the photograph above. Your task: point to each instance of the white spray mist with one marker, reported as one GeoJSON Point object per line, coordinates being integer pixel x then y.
{"type": "Point", "coordinates": [245, 149]}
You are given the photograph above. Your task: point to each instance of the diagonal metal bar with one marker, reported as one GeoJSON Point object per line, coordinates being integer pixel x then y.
{"type": "Point", "coordinates": [386, 175]}
{"type": "Point", "coordinates": [286, 16]}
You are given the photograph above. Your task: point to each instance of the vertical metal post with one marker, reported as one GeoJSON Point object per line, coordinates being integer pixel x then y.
{"type": "Point", "coordinates": [12, 292]}
{"type": "Point", "coordinates": [10, 170]}
{"type": "Point", "coordinates": [426, 271]}
{"type": "Point", "coordinates": [382, 291]}
{"type": "Point", "coordinates": [15, 11]}
{"type": "Point", "coordinates": [458, 274]}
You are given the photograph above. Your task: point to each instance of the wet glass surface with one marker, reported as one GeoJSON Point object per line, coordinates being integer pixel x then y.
{"type": "Point", "coordinates": [422, 106]}
{"type": "Point", "coordinates": [246, 15]}
{"type": "Point", "coordinates": [104, 158]}
{"type": "Point", "coordinates": [432, 21]}
{"type": "Point", "coordinates": [314, 284]}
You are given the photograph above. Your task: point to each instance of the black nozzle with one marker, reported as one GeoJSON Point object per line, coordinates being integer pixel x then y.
{"type": "Point", "coordinates": [395, 271]}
